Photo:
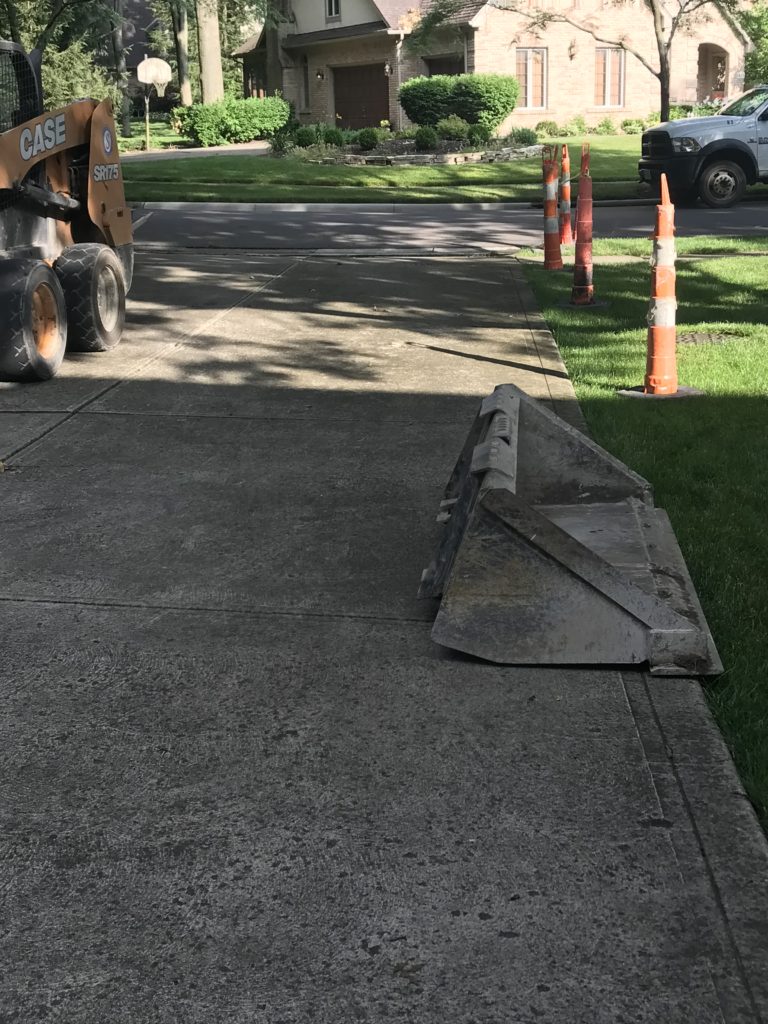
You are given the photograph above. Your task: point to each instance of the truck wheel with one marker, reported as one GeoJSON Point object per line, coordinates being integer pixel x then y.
{"type": "Point", "coordinates": [683, 196]}
{"type": "Point", "coordinates": [94, 289]}
{"type": "Point", "coordinates": [722, 183]}
{"type": "Point", "coordinates": [33, 325]}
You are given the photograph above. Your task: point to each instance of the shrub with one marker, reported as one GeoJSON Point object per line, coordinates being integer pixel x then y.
{"type": "Point", "coordinates": [523, 136]}
{"type": "Point", "coordinates": [478, 99]}
{"type": "Point", "coordinates": [426, 139]}
{"type": "Point", "coordinates": [633, 126]}
{"type": "Point", "coordinates": [479, 134]}
{"type": "Point", "coordinates": [283, 141]}
{"type": "Point", "coordinates": [428, 100]}
{"type": "Point", "coordinates": [304, 137]}
{"type": "Point", "coordinates": [319, 152]}
{"type": "Point", "coordinates": [367, 139]}
{"type": "Point", "coordinates": [653, 118]}
{"type": "Point", "coordinates": [350, 136]}
{"type": "Point", "coordinates": [453, 127]}
{"type": "Point", "coordinates": [605, 127]}
{"type": "Point", "coordinates": [484, 99]}
{"type": "Point", "coordinates": [333, 137]}
{"type": "Point", "coordinates": [548, 129]}
{"type": "Point", "coordinates": [407, 133]}
{"type": "Point", "coordinates": [576, 126]}
{"type": "Point", "coordinates": [678, 110]}
{"type": "Point", "coordinates": [230, 120]}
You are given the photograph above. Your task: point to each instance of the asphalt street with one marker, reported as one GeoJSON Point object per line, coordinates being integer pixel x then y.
{"type": "Point", "coordinates": [484, 227]}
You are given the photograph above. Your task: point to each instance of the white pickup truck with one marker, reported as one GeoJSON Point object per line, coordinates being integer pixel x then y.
{"type": "Point", "coordinates": [714, 157]}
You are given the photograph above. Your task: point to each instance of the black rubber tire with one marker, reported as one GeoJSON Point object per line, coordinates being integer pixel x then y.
{"type": "Point", "coordinates": [94, 326]}
{"type": "Point", "coordinates": [23, 354]}
{"type": "Point", "coordinates": [684, 196]}
{"type": "Point", "coordinates": [714, 177]}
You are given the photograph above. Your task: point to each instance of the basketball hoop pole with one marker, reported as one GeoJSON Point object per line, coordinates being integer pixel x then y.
{"type": "Point", "coordinates": [152, 71]}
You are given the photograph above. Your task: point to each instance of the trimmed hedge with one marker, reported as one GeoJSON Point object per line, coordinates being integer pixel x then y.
{"type": "Point", "coordinates": [485, 99]}
{"type": "Point", "coordinates": [231, 120]}
{"type": "Point", "coordinates": [478, 99]}
{"type": "Point", "coordinates": [428, 100]}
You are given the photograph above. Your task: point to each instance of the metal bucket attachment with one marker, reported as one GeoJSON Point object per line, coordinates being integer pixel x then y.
{"type": "Point", "coordinates": [554, 554]}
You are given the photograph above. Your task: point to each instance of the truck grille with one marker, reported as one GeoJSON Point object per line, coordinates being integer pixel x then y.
{"type": "Point", "coordinates": [656, 144]}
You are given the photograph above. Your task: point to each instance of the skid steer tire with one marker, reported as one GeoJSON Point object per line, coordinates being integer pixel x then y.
{"type": "Point", "coordinates": [33, 321]}
{"type": "Point", "coordinates": [94, 290]}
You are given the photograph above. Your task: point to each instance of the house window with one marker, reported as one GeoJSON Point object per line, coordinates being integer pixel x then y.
{"type": "Point", "coordinates": [444, 65]}
{"type": "Point", "coordinates": [332, 9]}
{"type": "Point", "coordinates": [532, 76]}
{"type": "Point", "coordinates": [609, 77]}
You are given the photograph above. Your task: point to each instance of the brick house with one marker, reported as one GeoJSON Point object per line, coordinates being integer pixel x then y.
{"type": "Point", "coordinates": [343, 61]}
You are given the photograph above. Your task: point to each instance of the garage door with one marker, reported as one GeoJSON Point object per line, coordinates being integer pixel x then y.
{"type": "Point", "coordinates": [361, 96]}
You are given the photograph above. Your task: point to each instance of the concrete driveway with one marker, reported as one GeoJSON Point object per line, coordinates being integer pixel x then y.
{"type": "Point", "coordinates": [238, 781]}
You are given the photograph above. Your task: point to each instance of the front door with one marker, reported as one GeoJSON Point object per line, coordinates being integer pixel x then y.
{"type": "Point", "coordinates": [361, 96]}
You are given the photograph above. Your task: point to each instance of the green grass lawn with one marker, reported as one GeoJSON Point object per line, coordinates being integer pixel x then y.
{"type": "Point", "coordinates": [257, 179]}
{"type": "Point", "coordinates": [161, 136]}
{"type": "Point", "coordinates": [706, 457]}
{"type": "Point", "coordinates": [266, 179]}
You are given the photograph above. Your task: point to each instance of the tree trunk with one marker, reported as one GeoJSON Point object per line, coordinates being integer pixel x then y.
{"type": "Point", "coordinates": [664, 77]}
{"type": "Point", "coordinates": [209, 44]}
{"type": "Point", "coordinates": [12, 15]}
{"type": "Point", "coordinates": [181, 41]}
{"type": "Point", "coordinates": [121, 70]}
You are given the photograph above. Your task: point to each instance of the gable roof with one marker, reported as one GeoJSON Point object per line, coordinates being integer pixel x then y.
{"type": "Point", "coordinates": [403, 13]}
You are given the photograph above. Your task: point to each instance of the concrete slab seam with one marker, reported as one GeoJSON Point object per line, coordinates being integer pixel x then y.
{"type": "Point", "coordinates": [293, 613]}
{"type": "Point", "coordinates": [114, 385]}
{"type": "Point", "coordinates": [714, 885]}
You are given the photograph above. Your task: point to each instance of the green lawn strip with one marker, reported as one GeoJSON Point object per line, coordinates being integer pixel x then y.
{"type": "Point", "coordinates": [161, 136]}
{"type": "Point", "coordinates": [705, 457]}
{"type": "Point", "coordinates": [695, 245]}
{"type": "Point", "coordinates": [364, 192]}
{"type": "Point", "coordinates": [273, 170]}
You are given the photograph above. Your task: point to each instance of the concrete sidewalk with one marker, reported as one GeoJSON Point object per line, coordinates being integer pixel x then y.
{"type": "Point", "coordinates": [239, 782]}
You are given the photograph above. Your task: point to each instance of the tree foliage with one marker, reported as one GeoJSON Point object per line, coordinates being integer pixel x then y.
{"type": "Point", "coordinates": [71, 74]}
{"type": "Point", "coordinates": [755, 23]}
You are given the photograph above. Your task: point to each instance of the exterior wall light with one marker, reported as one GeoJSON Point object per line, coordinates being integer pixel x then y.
{"type": "Point", "coordinates": [572, 49]}
{"type": "Point", "coordinates": [320, 75]}
{"type": "Point", "coordinates": [388, 69]}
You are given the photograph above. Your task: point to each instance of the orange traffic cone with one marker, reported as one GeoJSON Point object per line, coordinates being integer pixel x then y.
{"type": "Point", "coordinates": [583, 292]}
{"type": "Point", "coordinates": [566, 233]}
{"type": "Point", "coordinates": [661, 360]}
{"type": "Point", "coordinates": [661, 365]}
{"type": "Point", "coordinates": [552, 256]}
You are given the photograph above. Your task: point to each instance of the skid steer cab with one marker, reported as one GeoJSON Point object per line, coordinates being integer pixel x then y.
{"type": "Point", "coordinates": [66, 243]}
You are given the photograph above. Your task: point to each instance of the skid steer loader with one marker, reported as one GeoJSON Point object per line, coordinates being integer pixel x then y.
{"type": "Point", "coordinates": [66, 248]}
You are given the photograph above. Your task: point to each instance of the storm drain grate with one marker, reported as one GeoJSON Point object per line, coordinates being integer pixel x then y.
{"type": "Point", "coordinates": [706, 338]}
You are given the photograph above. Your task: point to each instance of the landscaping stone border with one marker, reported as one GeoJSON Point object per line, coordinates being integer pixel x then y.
{"type": "Point", "coordinates": [489, 156]}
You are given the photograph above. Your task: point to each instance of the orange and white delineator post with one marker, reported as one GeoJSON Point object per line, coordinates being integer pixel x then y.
{"type": "Point", "coordinates": [552, 256]}
{"type": "Point", "coordinates": [661, 364]}
{"type": "Point", "coordinates": [583, 292]}
{"type": "Point", "coordinates": [564, 202]}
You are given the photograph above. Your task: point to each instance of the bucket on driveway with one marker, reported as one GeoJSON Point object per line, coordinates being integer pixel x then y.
{"type": "Point", "coordinates": [554, 554]}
